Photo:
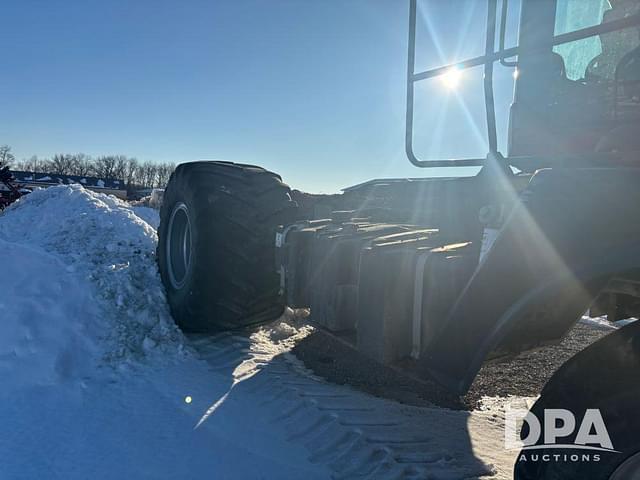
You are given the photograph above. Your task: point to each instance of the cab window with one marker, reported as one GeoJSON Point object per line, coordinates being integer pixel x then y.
{"type": "Point", "coordinates": [594, 58]}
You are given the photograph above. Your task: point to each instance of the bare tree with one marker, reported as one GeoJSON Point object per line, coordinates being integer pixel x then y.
{"type": "Point", "coordinates": [148, 172]}
{"type": "Point", "coordinates": [164, 173]}
{"type": "Point", "coordinates": [61, 164]}
{"type": "Point", "coordinates": [130, 172]}
{"type": "Point", "coordinates": [105, 166]}
{"type": "Point", "coordinates": [6, 157]}
{"type": "Point", "coordinates": [32, 164]}
{"type": "Point", "coordinates": [134, 174]}
{"type": "Point", "coordinates": [120, 167]}
{"type": "Point", "coordinates": [82, 165]}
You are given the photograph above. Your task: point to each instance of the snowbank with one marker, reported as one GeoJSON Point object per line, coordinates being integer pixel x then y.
{"type": "Point", "coordinates": [148, 214]}
{"type": "Point", "coordinates": [33, 351]}
{"type": "Point", "coordinates": [102, 242]}
{"type": "Point", "coordinates": [93, 370]}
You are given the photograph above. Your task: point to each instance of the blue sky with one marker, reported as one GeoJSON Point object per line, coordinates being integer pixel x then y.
{"type": "Point", "coordinates": [314, 90]}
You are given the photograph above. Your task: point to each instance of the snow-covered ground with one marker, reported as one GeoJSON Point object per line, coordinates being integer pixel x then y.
{"type": "Point", "coordinates": [97, 382]}
{"type": "Point", "coordinates": [94, 373]}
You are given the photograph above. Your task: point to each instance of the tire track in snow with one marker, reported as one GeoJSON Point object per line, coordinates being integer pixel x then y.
{"type": "Point", "coordinates": [355, 435]}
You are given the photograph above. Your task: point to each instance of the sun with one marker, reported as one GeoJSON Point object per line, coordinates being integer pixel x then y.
{"type": "Point", "coordinates": [451, 78]}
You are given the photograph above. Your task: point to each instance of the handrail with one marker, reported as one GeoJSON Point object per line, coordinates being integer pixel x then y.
{"type": "Point", "coordinates": [488, 59]}
{"type": "Point", "coordinates": [503, 32]}
{"type": "Point", "coordinates": [612, 26]}
{"type": "Point", "coordinates": [489, 103]}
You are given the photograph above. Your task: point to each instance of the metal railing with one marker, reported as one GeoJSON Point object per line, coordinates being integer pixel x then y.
{"type": "Point", "coordinates": [488, 59]}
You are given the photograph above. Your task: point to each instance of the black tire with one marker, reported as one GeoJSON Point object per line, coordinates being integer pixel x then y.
{"type": "Point", "coordinates": [227, 215]}
{"type": "Point", "coordinates": [604, 376]}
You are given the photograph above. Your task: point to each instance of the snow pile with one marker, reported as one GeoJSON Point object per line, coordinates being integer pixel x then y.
{"type": "Point", "coordinates": [80, 295]}
{"type": "Point", "coordinates": [602, 322]}
{"type": "Point", "coordinates": [153, 201]}
{"type": "Point", "coordinates": [148, 214]}
{"type": "Point", "coordinates": [285, 332]}
{"type": "Point", "coordinates": [99, 240]}
{"type": "Point", "coordinates": [48, 321]}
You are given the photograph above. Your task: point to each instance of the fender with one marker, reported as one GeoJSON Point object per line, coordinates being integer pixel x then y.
{"type": "Point", "coordinates": [456, 371]}
{"type": "Point", "coordinates": [559, 248]}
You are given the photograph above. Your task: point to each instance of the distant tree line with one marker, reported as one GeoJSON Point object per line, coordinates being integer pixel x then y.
{"type": "Point", "coordinates": [134, 173]}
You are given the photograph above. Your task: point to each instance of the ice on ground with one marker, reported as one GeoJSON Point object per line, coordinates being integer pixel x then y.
{"type": "Point", "coordinates": [104, 242]}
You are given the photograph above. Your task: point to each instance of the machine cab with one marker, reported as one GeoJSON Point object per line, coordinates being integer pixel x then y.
{"type": "Point", "coordinates": [583, 95]}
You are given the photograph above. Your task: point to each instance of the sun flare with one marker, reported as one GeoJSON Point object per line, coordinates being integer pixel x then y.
{"type": "Point", "coordinates": [451, 78]}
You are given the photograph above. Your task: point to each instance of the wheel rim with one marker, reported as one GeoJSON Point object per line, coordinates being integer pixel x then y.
{"type": "Point", "coordinates": [178, 251]}
{"type": "Point", "coordinates": [629, 470]}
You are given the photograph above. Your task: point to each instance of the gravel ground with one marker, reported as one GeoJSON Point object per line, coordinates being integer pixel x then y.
{"type": "Point", "coordinates": [524, 375]}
